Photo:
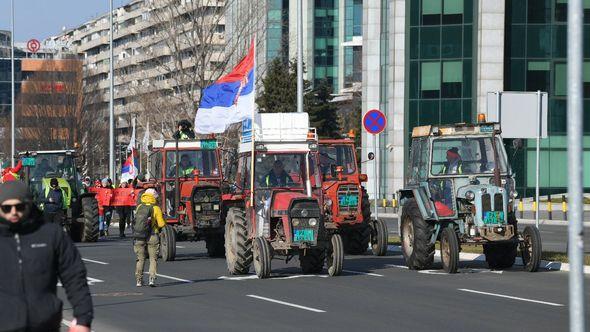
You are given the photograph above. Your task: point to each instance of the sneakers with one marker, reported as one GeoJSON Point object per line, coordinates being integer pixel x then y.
{"type": "Point", "coordinates": [139, 283]}
{"type": "Point", "coordinates": [152, 282]}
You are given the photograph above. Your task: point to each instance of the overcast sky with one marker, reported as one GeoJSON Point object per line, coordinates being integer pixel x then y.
{"type": "Point", "coordinates": [43, 18]}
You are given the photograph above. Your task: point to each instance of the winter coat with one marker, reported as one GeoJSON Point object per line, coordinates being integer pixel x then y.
{"type": "Point", "coordinates": [158, 221]}
{"type": "Point", "coordinates": [34, 255]}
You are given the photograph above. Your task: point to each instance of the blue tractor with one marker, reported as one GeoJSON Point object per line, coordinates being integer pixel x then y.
{"type": "Point", "coordinates": [460, 190]}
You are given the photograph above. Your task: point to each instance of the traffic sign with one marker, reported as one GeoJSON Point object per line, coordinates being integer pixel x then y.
{"type": "Point", "coordinates": [33, 45]}
{"type": "Point", "coordinates": [374, 122]}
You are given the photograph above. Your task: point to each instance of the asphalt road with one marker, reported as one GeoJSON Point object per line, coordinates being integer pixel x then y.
{"type": "Point", "coordinates": [375, 293]}
{"type": "Point", "coordinates": [553, 237]}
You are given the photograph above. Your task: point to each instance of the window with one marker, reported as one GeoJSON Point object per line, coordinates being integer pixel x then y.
{"type": "Point", "coordinates": [431, 10]}
{"type": "Point", "coordinates": [430, 79]}
{"type": "Point", "coordinates": [452, 79]}
{"type": "Point", "coordinates": [453, 12]}
{"type": "Point", "coordinates": [537, 77]}
{"type": "Point", "coordinates": [560, 79]}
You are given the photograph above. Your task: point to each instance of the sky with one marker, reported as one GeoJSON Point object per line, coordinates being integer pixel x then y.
{"type": "Point", "coordinates": [43, 18]}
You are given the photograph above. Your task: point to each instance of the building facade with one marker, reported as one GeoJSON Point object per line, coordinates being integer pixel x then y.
{"type": "Point", "coordinates": [437, 60]}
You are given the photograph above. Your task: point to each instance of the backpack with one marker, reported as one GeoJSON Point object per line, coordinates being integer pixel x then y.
{"type": "Point", "coordinates": [142, 227]}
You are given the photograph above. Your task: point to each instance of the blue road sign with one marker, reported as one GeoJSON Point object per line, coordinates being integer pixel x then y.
{"type": "Point", "coordinates": [374, 122]}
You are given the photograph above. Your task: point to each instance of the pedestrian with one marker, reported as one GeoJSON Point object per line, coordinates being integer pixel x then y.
{"type": "Point", "coordinates": [33, 255]}
{"type": "Point", "coordinates": [108, 210]}
{"type": "Point", "coordinates": [54, 203]}
{"type": "Point", "coordinates": [148, 222]}
{"type": "Point", "coordinates": [124, 213]}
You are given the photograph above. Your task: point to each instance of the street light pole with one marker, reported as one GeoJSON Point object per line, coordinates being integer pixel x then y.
{"type": "Point", "coordinates": [13, 99]}
{"type": "Point", "coordinates": [575, 41]}
{"type": "Point", "coordinates": [111, 97]}
{"type": "Point", "coordinates": [300, 56]}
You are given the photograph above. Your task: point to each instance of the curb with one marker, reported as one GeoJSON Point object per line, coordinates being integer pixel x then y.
{"type": "Point", "coordinates": [465, 256]}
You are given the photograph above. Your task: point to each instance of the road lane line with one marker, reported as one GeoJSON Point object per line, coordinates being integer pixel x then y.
{"type": "Point", "coordinates": [180, 247]}
{"type": "Point", "coordinates": [286, 303]}
{"type": "Point", "coordinates": [398, 266]}
{"type": "Point", "coordinates": [91, 281]}
{"type": "Point", "coordinates": [94, 261]}
{"type": "Point", "coordinates": [363, 273]}
{"type": "Point", "coordinates": [172, 278]}
{"type": "Point", "coordinates": [511, 297]}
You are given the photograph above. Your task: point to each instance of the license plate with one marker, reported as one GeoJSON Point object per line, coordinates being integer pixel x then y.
{"type": "Point", "coordinates": [304, 235]}
{"type": "Point", "coordinates": [349, 200]}
{"type": "Point", "coordinates": [493, 217]}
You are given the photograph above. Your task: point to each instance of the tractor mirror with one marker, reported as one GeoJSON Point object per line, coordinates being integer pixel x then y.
{"type": "Point", "coordinates": [371, 156]}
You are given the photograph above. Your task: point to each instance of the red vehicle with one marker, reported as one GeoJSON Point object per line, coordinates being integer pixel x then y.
{"type": "Point", "coordinates": [276, 210]}
{"type": "Point", "coordinates": [188, 176]}
{"type": "Point", "coordinates": [346, 203]}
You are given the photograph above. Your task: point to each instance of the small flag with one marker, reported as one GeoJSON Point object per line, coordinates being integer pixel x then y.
{"type": "Point", "coordinates": [146, 138]}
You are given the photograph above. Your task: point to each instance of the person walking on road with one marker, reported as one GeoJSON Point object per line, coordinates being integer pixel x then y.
{"type": "Point", "coordinates": [146, 228]}
{"type": "Point", "coordinates": [54, 203]}
{"type": "Point", "coordinates": [124, 213]}
{"type": "Point", "coordinates": [33, 256]}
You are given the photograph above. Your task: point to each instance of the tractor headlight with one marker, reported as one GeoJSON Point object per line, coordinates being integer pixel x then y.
{"type": "Point", "coordinates": [328, 202]}
{"type": "Point", "coordinates": [470, 195]}
{"type": "Point", "coordinates": [215, 207]}
{"type": "Point", "coordinates": [313, 222]}
{"type": "Point", "coordinates": [296, 222]}
{"type": "Point", "coordinates": [198, 208]}
{"type": "Point", "coordinates": [514, 194]}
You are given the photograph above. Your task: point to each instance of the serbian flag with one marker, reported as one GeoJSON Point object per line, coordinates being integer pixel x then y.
{"type": "Point", "coordinates": [229, 100]}
{"type": "Point", "coordinates": [129, 169]}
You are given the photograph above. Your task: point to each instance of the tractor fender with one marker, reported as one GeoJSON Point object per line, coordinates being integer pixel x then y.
{"type": "Point", "coordinates": [424, 205]}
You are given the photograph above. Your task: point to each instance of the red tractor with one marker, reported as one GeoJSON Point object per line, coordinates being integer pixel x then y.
{"type": "Point", "coordinates": [276, 200]}
{"type": "Point", "coordinates": [346, 203]}
{"type": "Point", "coordinates": [188, 176]}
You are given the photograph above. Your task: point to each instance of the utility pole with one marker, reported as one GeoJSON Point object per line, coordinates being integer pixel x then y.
{"type": "Point", "coordinates": [111, 98]}
{"type": "Point", "coordinates": [575, 24]}
{"type": "Point", "coordinates": [300, 56]}
{"type": "Point", "coordinates": [13, 97]}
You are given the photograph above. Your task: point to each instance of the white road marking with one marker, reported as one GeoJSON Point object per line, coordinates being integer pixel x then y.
{"type": "Point", "coordinates": [398, 266]}
{"type": "Point", "coordinates": [66, 323]}
{"type": "Point", "coordinates": [363, 273]}
{"type": "Point", "coordinates": [180, 247]}
{"type": "Point", "coordinates": [172, 278]}
{"type": "Point", "coordinates": [510, 297]}
{"type": "Point", "coordinates": [286, 303]}
{"type": "Point", "coordinates": [94, 261]}
{"type": "Point", "coordinates": [275, 277]}
{"type": "Point", "coordinates": [441, 272]}
{"type": "Point", "coordinates": [91, 281]}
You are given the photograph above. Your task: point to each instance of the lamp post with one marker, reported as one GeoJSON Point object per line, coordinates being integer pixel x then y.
{"type": "Point", "coordinates": [111, 97]}
{"type": "Point", "coordinates": [13, 99]}
{"type": "Point", "coordinates": [300, 56]}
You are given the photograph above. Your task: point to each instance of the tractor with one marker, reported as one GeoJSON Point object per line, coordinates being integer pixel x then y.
{"type": "Point", "coordinates": [276, 207]}
{"type": "Point", "coordinates": [346, 203]}
{"type": "Point", "coordinates": [188, 176]}
{"type": "Point", "coordinates": [460, 190]}
{"type": "Point", "coordinates": [81, 219]}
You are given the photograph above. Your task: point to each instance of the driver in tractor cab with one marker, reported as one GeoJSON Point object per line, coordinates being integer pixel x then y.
{"type": "Point", "coordinates": [454, 163]}
{"type": "Point", "coordinates": [277, 177]}
{"type": "Point", "coordinates": [43, 169]}
{"type": "Point", "coordinates": [186, 167]}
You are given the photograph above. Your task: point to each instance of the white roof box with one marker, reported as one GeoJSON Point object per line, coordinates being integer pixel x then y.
{"type": "Point", "coordinates": [281, 127]}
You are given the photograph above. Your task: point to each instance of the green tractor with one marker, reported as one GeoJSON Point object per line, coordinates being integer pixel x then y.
{"type": "Point", "coordinates": [81, 217]}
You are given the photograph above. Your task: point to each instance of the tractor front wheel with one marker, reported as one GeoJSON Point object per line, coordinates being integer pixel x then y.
{"type": "Point", "coordinates": [449, 250]}
{"type": "Point", "coordinates": [215, 245]}
{"type": "Point", "coordinates": [379, 237]}
{"type": "Point", "coordinates": [335, 257]}
{"type": "Point", "coordinates": [238, 247]}
{"type": "Point", "coordinates": [531, 249]}
{"type": "Point", "coordinates": [88, 228]}
{"type": "Point", "coordinates": [262, 257]}
{"type": "Point", "coordinates": [168, 243]}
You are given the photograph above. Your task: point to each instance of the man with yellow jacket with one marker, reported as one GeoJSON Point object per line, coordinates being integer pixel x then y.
{"type": "Point", "coordinates": [146, 228]}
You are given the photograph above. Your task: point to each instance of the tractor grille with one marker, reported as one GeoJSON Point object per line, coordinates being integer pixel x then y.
{"type": "Point", "coordinates": [498, 202]}
{"type": "Point", "coordinates": [303, 212]}
{"type": "Point", "coordinates": [486, 204]}
{"type": "Point", "coordinates": [207, 201]}
{"type": "Point", "coordinates": [492, 206]}
{"type": "Point", "coordinates": [348, 199]}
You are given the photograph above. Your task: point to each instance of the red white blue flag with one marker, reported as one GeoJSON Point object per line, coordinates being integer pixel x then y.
{"type": "Point", "coordinates": [230, 99]}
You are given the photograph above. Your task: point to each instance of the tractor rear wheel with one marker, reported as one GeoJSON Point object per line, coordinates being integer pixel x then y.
{"type": "Point", "coordinates": [168, 243]}
{"type": "Point", "coordinates": [261, 257]}
{"type": "Point", "coordinates": [215, 245]}
{"type": "Point", "coordinates": [449, 250]}
{"type": "Point", "coordinates": [365, 206]}
{"type": "Point", "coordinates": [379, 237]}
{"type": "Point", "coordinates": [416, 234]}
{"type": "Point", "coordinates": [88, 230]}
{"type": "Point", "coordinates": [312, 260]}
{"type": "Point", "coordinates": [335, 259]}
{"type": "Point", "coordinates": [357, 239]}
{"type": "Point", "coordinates": [531, 249]}
{"type": "Point", "coordinates": [238, 247]}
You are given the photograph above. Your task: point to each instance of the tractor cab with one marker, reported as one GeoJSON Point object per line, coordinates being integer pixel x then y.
{"type": "Point", "coordinates": [277, 198]}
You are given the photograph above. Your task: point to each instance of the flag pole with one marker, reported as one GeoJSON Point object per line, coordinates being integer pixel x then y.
{"type": "Point", "coordinates": [253, 134]}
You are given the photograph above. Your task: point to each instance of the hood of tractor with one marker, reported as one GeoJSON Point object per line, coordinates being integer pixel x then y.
{"type": "Point", "coordinates": [490, 202]}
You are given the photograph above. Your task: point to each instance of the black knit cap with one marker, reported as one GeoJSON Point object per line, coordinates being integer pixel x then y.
{"type": "Point", "coordinates": [15, 190]}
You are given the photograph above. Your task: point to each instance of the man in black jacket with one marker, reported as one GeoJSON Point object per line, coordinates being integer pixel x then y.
{"type": "Point", "coordinates": [53, 206]}
{"type": "Point", "coordinates": [33, 255]}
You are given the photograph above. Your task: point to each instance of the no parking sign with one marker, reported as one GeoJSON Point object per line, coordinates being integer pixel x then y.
{"type": "Point", "coordinates": [374, 123]}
